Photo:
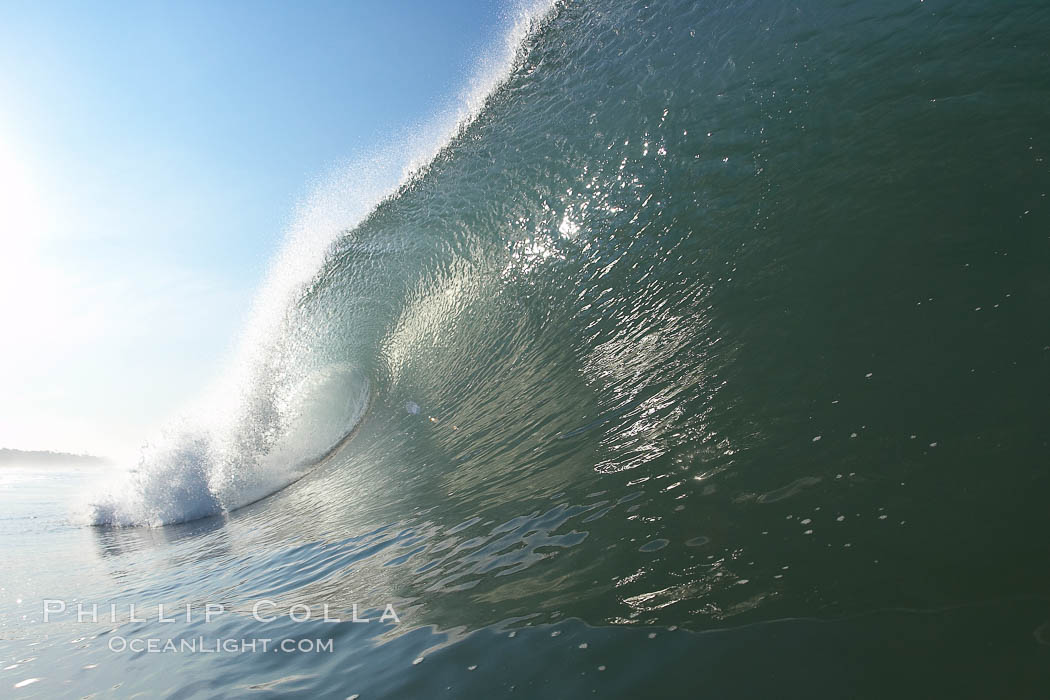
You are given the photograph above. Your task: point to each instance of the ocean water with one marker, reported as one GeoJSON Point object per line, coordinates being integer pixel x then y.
{"type": "Point", "coordinates": [703, 352]}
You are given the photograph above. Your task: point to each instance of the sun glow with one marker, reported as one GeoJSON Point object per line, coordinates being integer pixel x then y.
{"type": "Point", "coordinates": [43, 325]}
{"type": "Point", "coordinates": [24, 221]}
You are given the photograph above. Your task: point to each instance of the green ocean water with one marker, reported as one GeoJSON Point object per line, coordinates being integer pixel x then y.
{"type": "Point", "coordinates": [710, 360]}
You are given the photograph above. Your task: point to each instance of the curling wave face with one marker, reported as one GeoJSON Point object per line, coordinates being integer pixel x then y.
{"type": "Point", "coordinates": [294, 392]}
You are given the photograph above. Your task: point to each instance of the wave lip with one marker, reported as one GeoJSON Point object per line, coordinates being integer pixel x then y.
{"type": "Point", "coordinates": [193, 474]}
{"type": "Point", "coordinates": [170, 486]}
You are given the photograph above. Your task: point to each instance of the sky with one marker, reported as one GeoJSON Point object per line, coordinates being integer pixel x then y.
{"type": "Point", "coordinates": [152, 159]}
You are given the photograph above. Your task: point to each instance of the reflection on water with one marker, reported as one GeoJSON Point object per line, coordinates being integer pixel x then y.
{"type": "Point", "coordinates": [115, 542]}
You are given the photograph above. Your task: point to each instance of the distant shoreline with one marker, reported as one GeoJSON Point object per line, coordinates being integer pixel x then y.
{"type": "Point", "coordinates": [10, 458]}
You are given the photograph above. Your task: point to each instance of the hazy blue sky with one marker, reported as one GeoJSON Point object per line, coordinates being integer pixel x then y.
{"type": "Point", "coordinates": [152, 155]}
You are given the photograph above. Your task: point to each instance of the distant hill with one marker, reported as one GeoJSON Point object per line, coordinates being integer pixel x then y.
{"type": "Point", "coordinates": [44, 458]}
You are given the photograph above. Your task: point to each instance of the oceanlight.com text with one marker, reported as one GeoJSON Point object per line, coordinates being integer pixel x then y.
{"type": "Point", "coordinates": [228, 645]}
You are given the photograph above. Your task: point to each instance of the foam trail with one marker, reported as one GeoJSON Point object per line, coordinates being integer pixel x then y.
{"type": "Point", "coordinates": [272, 415]}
